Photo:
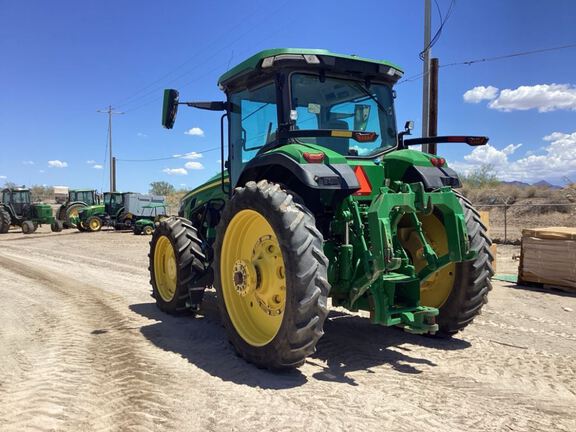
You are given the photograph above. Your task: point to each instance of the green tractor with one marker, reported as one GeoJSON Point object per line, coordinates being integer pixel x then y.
{"type": "Point", "coordinates": [320, 196]}
{"type": "Point", "coordinates": [94, 217]}
{"type": "Point", "coordinates": [149, 219]}
{"type": "Point", "coordinates": [16, 208]}
{"type": "Point", "coordinates": [77, 199]}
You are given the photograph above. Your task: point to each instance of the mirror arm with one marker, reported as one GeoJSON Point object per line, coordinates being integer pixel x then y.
{"type": "Point", "coordinates": [210, 106]}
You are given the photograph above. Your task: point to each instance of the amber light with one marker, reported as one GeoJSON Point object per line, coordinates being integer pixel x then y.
{"type": "Point", "coordinates": [313, 157]}
{"type": "Point", "coordinates": [365, 136]}
{"type": "Point", "coordinates": [365, 186]}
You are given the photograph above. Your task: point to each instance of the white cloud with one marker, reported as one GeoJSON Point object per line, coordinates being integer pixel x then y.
{"type": "Point", "coordinates": [194, 166]}
{"type": "Point", "coordinates": [195, 131]}
{"type": "Point", "coordinates": [175, 171]}
{"type": "Point", "coordinates": [142, 135]}
{"type": "Point", "coordinates": [28, 162]}
{"type": "Point", "coordinates": [558, 160]}
{"type": "Point", "coordinates": [3, 177]}
{"type": "Point", "coordinates": [98, 166]}
{"type": "Point", "coordinates": [41, 171]}
{"type": "Point", "coordinates": [543, 97]}
{"type": "Point", "coordinates": [90, 162]}
{"type": "Point", "coordinates": [480, 93]}
{"type": "Point", "coordinates": [57, 164]}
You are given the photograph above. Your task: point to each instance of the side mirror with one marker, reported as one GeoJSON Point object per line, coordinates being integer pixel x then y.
{"type": "Point", "coordinates": [408, 126]}
{"type": "Point", "coordinates": [170, 107]}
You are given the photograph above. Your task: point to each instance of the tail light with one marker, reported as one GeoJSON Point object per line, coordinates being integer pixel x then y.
{"type": "Point", "coordinates": [438, 162]}
{"type": "Point", "coordinates": [313, 157]}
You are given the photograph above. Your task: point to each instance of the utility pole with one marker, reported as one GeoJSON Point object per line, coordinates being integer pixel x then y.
{"type": "Point", "coordinates": [426, 72]}
{"type": "Point", "coordinates": [433, 117]}
{"type": "Point", "coordinates": [112, 168]}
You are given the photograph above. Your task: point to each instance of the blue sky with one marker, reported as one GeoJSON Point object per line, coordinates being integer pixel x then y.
{"type": "Point", "coordinates": [64, 60]}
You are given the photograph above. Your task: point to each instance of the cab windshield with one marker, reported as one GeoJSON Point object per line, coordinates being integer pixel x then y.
{"type": "Point", "coordinates": [341, 104]}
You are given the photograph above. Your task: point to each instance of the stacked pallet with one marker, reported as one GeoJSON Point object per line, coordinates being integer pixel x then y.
{"type": "Point", "coordinates": [548, 257]}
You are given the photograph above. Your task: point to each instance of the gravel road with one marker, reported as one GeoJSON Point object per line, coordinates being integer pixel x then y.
{"type": "Point", "coordinates": [83, 348]}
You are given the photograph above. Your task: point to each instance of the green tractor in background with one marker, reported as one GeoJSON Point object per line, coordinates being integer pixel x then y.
{"type": "Point", "coordinates": [16, 208]}
{"type": "Point", "coordinates": [77, 199]}
{"type": "Point", "coordinates": [149, 219]}
{"type": "Point", "coordinates": [320, 196]}
{"type": "Point", "coordinates": [92, 218]}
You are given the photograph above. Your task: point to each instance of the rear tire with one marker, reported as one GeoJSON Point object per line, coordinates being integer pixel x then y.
{"type": "Point", "coordinates": [5, 221]}
{"type": "Point", "coordinates": [243, 272]}
{"type": "Point", "coordinates": [472, 282]}
{"type": "Point", "coordinates": [72, 220]}
{"type": "Point", "coordinates": [176, 260]}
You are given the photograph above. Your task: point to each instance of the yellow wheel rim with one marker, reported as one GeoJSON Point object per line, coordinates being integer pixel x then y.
{"type": "Point", "coordinates": [148, 230]}
{"type": "Point", "coordinates": [252, 274]}
{"type": "Point", "coordinates": [436, 288]}
{"type": "Point", "coordinates": [95, 224]}
{"type": "Point", "coordinates": [165, 271]}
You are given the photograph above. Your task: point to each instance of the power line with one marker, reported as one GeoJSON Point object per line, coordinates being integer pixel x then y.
{"type": "Point", "coordinates": [488, 59]}
{"type": "Point", "coordinates": [443, 21]}
{"type": "Point", "coordinates": [199, 64]}
{"type": "Point", "coordinates": [167, 157]}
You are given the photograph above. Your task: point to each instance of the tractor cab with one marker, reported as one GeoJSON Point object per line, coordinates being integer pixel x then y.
{"type": "Point", "coordinates": [18, 198]}
{"type": "Point", "coordinates": [113, 201]}
{"type": "Point", "coordinates": [88, 197]}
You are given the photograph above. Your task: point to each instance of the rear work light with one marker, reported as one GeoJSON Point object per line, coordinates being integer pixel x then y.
{"type": "Point", "coordinates": [365, 186]}
{"type": "Point", "coordinates": [438, 162]}
{"type": "Point", "coordinates": [313, 157]}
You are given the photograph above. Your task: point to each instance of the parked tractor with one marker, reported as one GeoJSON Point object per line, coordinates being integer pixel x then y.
{"type": "Point", "coordinates": [77, 199]}
{"type": "Point", "coordinates": [17, 209]}
{"type": "Point", "coordinates": [94, 217]}
{"type": "Point", "coordinates": [149, 219]}
{"type": "Point", "coordinates": [320, 196]}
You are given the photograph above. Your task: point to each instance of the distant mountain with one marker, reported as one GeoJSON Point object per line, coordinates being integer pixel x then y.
{"type": "Point", "coordinates": [541, 183]}
{"type": "Point", "coordinates": [545, 184]}
{"type": "Point", "coordinates": [517, 183]}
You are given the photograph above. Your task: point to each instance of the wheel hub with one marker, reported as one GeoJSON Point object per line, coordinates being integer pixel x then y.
{"type": "Point", "coordinates": [244, 277]}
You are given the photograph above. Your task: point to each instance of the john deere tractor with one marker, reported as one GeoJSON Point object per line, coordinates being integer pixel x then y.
{"type": "Point", "coordinates": [16, 208]}
{"type": "Point", "coordinates": [92, 218]}
{"type": "Point", "coordinates": [320, 196]}
{"type": "Point", "coordinates": [77, 199]}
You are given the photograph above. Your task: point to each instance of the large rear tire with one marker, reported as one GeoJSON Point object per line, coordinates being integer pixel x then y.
{"type": "Point", "coordinates": [270, 276]}
{"type": "Point", "coordinates": [5, 221]}
{"type": "Point", "coordinates": [458, 290]}
{"type": "Point", "coordinates": [176, 260]}
{"type": "Point", "coordinates": [72, 219]}
{"type": "Point", "coordinates": [472, 282]}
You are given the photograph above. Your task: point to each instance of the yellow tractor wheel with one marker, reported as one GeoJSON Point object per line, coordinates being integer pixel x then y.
{"type": "Point", "coordinates": [176, 263]}
{"type": "Point", "coordinates": [270, 276]}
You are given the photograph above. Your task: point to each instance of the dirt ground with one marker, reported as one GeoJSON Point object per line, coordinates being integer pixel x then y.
{"type": "Point", "coordinates": [83, 348]}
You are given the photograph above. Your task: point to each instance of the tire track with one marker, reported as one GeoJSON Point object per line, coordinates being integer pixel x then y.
{"type": "Point", "coordinates": [89, 373]}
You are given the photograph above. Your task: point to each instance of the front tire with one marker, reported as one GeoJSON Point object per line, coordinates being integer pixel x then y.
{"type": "Point", "coordinates": [56, 226]}
{"type": "Point", "coordinates": [270, 276]}
{"type": "Point", "coordinates": [176, 260]}
{"type": "Point", "coordinates": [93, 224]}
{"type": "Point", "coordinates": [28, 227]}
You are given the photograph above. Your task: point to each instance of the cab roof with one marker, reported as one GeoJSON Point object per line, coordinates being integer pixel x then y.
{"type": "Point", "coordinates": [311, 58]}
